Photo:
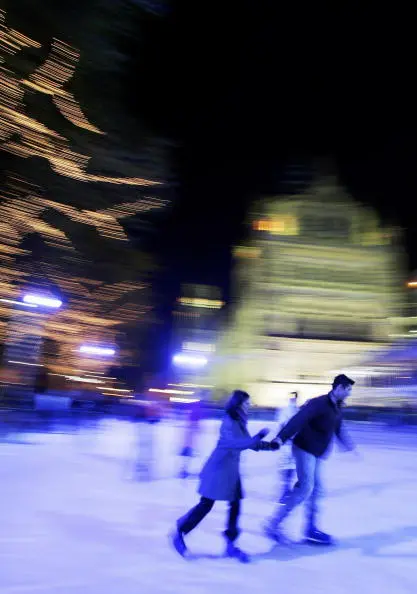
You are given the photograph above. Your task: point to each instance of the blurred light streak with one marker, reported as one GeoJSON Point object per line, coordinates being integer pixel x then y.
{"type": "Point", "coordinates": [85, 380]}
{"type": "Point", "coordinates": [203, 303]}
{"type": "Point", "coordinates": [25, 363]}
{"type": "Point", "coordinates": [13, 302]}
{"type": "Point", "coordinates": [42, 301]}
{"type": "Point", "coordinates": [24, 136]}
{"type": "Point", "coordinates": [96, 350]}
{"type": "Point", "coordinates": [187, 385]}
{"type": "Point", "coordinates": [166, 391]}
{"type": "Point", "coordinates": [183, 360]}
{"type": "Point", "coordinates": [183, 400]}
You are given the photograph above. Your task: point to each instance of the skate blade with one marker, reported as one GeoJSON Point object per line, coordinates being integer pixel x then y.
{"type": "Point", "coordinates": [318, 543]}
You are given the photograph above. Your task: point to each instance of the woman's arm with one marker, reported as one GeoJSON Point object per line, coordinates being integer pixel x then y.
{"type": "Point", "coordinates": [231, 437]}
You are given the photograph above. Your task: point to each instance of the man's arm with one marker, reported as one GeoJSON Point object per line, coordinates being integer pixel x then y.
{"type": "Point", "coordinates": [344, 437]}
{"type": "Point", "coordinates": [297, 422]}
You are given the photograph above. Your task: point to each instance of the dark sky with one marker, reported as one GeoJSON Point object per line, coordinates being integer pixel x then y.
{"type": "Point", "coordinates": [246, 92]}
{"type": "Point", "coordinates": [245, 89]}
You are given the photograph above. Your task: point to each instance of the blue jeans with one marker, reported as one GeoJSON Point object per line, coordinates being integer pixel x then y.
{"type": "Point", "coordinates": [308, 488]}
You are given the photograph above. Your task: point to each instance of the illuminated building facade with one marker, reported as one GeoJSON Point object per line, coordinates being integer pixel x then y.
{"type": "Point", "coordinates": [317, 287]}
{"type": "Point", "coordinates": [409, 321]}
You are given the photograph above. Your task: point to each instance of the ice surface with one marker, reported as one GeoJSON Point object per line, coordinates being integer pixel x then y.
{"type": "Point", "coordinates": [73, 520]}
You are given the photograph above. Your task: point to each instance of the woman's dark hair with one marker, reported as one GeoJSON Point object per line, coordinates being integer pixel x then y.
{"type": "Point", "coordinates": [235, 402]}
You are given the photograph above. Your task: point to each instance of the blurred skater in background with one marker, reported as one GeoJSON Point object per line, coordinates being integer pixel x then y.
{"type": "Point", "coordinates": [286, 457]}
{"type": "Point", "coordinates": [194, 416]}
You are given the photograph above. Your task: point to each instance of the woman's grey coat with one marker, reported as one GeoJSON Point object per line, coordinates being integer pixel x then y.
{"type": "Point", "coordinates": [220, 476]}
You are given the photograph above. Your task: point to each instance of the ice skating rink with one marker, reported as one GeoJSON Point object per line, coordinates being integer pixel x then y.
{"type": "Point", "coordinates": [74, 522]}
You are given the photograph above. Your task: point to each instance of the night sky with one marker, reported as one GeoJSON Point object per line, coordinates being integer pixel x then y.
{"type": "Point", "coordinates": [244, 90]}
{"type": "Point", "coordinates": [245, 93]}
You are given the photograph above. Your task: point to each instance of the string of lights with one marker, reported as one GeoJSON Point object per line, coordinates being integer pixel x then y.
{"type": "Point", "coordinates": [92, 310]}
{"type": "Point", "coordinates": [23, 135]}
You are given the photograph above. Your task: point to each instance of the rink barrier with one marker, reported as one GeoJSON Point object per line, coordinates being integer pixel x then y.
{"type": "Point", "coordinates": [67, 420]}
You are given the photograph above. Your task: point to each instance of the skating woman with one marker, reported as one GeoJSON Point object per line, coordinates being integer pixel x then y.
{"type": "Point", "coordinates": [220, 476]}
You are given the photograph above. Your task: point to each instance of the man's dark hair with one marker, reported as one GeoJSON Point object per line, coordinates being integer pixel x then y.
{"type": "Point", "coordinates": [342, 380]}
{"type": "Point", "coordinates": [235, 402]}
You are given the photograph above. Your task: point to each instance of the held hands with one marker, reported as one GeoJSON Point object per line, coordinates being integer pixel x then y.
{"type": "Point", "coordinates": [274, 445]}
{"type": "Point", "coordinates": [266, 445]}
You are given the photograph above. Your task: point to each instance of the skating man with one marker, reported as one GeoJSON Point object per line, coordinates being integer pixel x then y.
{"type": "Point", "coordinates": [312, 430]}
{"type": "Point", "coordinates": [287, 461]}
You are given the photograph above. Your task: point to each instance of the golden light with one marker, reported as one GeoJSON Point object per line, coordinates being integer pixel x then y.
{"type": "Point", "coordinates": [169, 391]}
{"type": "Point", "coordinates": [203, 303]}
{"type": "Point", "coordinates": [23, 135]}
{"type": "Point", "coordinates": [93, 309]}
{"type": "Point", "coordinates": [283, 225]}
{"type": "Point", "coordinates": [12, 41]}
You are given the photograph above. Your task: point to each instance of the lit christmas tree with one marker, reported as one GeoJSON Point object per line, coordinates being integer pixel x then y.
{"type": "Point", "coordinates": [63, 231]}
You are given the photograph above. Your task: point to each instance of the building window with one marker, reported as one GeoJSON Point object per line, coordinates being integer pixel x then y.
{"type": "Point", "coordinates": [283, 225]}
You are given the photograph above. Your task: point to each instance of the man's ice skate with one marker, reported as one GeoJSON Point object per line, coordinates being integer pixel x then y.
{"type": "Point", "coordinates": [314, 536]}
{"type": "Point", "coordinates": [233, 551]}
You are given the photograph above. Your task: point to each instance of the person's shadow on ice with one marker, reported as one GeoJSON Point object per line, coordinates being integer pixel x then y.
{"type": "Point", "coordinates": [369, 544]}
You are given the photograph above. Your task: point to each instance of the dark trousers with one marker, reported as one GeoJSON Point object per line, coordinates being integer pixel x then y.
{"type": "Point", "coordinates": [199, 512]}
